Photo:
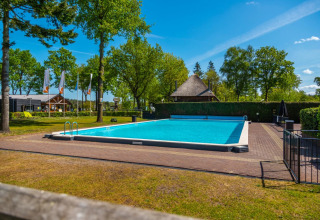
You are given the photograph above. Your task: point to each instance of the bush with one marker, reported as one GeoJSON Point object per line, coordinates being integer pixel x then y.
{"type": "Point", "coordinates": [86, 113]}
{"type": "Point", "coordinates": [310, 118]}
{"type": "Point", "coordinates": [265, 109]}
{"type": "Point", "coordinates": [113, 120]}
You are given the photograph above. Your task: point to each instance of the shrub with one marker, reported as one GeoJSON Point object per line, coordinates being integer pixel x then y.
{"type": "Point", "coordinates": [113, 120]}
{"type": "Point", "coordinates": [265, 109]}
{"type": "Point", "coordinates": [310, 118]}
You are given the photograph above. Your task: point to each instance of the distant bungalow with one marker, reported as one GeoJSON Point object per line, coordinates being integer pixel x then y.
{"type": "Point", "coordinates": [37, 103]}
{"type": "Point", "coordinates": [194, 90]}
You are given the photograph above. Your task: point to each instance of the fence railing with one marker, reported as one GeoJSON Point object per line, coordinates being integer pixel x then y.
{"type": "Point", "coordinates": [301, 154]}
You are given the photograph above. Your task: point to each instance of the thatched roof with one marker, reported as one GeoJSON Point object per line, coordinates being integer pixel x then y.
{"type": "Point", "coordinates": [193, 87]}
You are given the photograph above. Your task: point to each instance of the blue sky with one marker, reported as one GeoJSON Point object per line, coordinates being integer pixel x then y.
{"type": "Point", "coordinates": [203, 30]}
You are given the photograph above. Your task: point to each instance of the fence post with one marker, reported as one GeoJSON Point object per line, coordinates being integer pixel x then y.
{"type": "Point", "coordinates": [299, 145]}
{"type": "Point", "coordinates": [284, 144]}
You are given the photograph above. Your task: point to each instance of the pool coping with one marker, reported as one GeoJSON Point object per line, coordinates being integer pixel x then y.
{"type": "Point", "coordinates": [243, 140]}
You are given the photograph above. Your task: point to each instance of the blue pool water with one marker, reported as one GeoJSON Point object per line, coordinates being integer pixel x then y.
{"type": "Point", "coordinates": [182, 130]}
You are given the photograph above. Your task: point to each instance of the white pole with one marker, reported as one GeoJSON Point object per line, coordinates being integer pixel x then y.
{"type": "Point", "coordinates": [49, 95]}
{"type": "Point", "coordinates": [90, 103]}
{"type": "Point", "coordinates": [77, 95]}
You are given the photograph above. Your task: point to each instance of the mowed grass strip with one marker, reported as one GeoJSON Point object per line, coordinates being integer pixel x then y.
{"type": "Point", "coordinates": [41, 125]}
{"type": "Point", "coordinates": [197, 194]}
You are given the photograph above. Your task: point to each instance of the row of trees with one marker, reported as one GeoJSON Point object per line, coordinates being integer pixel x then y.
{"type": "Point", "coordinates": [255, 75]}
{"type": "Point", "coordinates": [135, 70]}
{"type": "Point", "coordinates": [100, 20]}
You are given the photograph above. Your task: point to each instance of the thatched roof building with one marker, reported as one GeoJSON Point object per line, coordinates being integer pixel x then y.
{"type": "Point", "coordinates": [194, 90]}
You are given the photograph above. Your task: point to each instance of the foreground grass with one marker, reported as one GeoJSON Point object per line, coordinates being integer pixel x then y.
{"type": "Point", "coordinates": [37, 125]}
{"type": "Point", "coordinates": [197, 194]}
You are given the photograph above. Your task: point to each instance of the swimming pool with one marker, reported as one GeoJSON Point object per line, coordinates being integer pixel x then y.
{"type": "Point", "coordinates": [199, 132]}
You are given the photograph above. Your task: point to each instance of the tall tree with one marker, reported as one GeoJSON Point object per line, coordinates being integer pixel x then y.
{"type": "Point", "coordinates": [171, 69]}
{"type": "Point", "coordinates": [197, 70]}
{"type": "Point", "coordinates": [136, 63]}
{"type": "Point", "coordinates": [212, 76]}
{"type": "Point", "coordinates": [317, 81]}
{"type": "Point", "coordinates": [24, 69]}
{"type": "Point", "coordinates": [273, 70]}
{"type": "Point", "coordinates": [63, 60]}
{"type": "Point", "coordinates": [16, 15]}
{"type": "Point", "coordinates": [102, 20]}
{"type": "Point", "coordinates": [236, 70]}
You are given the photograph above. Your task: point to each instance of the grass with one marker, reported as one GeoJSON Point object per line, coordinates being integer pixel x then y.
{"type": "Point", "coordinates": [37, 125]}
{"type": "Point", "coordinates": [197, 194]}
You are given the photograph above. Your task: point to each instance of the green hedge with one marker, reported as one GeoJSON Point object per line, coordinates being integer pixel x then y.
{"type": "Point", "coordinates": [15, 115]}
{"type": "Point", "coordinates": [265, 109]}
{"type": "Point", "coordinates": [310, 118]}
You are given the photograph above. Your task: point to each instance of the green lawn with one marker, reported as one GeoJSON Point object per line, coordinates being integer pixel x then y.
{"type": "Point", "coordinates": [26, 126]}
{"type": "Point", "coordinates": [196, 194]}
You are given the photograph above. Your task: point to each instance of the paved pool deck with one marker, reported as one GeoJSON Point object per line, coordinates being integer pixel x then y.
{"type": "Point", "coordinates": [265, 144]}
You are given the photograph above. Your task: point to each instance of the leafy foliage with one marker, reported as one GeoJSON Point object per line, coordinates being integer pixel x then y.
{"type": "Point", "coordinates": [197, 70]}
{"type": "Point", "coordinates": [171, 69]}
{"type": "Point", "coordinates": [63, 60]}
{"type": "Point", "coordinates": [265, 109]}
{"type": "Point", "coordinates": [136, 63]}
{"type": "Point", "coordinates": [310, 118]}
{"type": "Point", "coordinates": [273, 70]}
{"type": "Point", "coordinates": [235, 68]}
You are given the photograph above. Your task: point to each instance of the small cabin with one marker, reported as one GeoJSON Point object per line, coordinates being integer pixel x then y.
{"type": "Point", "coordinates": [37, 103]}
{"type": "Point", "coordinates": [194, 90]}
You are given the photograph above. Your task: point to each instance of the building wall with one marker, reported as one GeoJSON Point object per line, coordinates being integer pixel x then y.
{"type": "Point", "coordinates": [18, 105]}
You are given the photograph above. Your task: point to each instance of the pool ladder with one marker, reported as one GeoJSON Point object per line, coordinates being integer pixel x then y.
{"type": "Point", "coordinates": [71, 127]}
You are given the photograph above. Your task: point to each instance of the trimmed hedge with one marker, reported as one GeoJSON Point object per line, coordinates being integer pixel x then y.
{"type": "Point", "coordinates": [265, 109]}
{"type": "Point", "coordinates": [15, 115]}
{"type": "Point", "coordinates": [310, 118]}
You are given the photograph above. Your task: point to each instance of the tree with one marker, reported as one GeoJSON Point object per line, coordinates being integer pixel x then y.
{"type": "Point", "coordinates": [236, 70]}
{"type": "Point", "coordinates": [136, 63]}
{"type": "Point", "coordinates": [317, 80]}
{"type": "Point", "coordinates": [92, 67]}
{"type": "Point", "coordinates": [197, 70]}
{"type": "Point", "coordinates": [273, 70]}
{"type": "Point", "coordinates": [23, 70]}
{"type": "Point", "coordinates": [15, 15]}
{"type": "Point", "coordinates": [102, 20]}
{"type": "Point", "coordinates": [171, 69]}
{"type": "Point", "coordinates": [212, 76]}
{"type": "Point", "coordinates": [63, 60]}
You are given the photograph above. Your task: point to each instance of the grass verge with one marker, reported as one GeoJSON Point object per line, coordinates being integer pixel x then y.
{"type": "Point", "coordinates": [196, 194]}
{"type": "Point", "coordinates": [37, 125]}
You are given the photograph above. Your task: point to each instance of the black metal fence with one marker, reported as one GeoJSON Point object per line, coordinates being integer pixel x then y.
{"type": "Point", "coordinates": [301, 154]}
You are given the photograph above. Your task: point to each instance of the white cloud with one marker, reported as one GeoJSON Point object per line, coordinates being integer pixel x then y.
{"type": "Point", "coordinates": [154, 36]}
{"type": "Point", "coordinates": [251, 3]}
{"type": "Point", "coordinates": [310, 87]}
{"type": "Point", "coordinates": [311, 93]}
{"type": "Point", "coordinates": [313, 38]}
{"type": "Point", "coordinates": [307, 71]}
{"type": "Point", "coordinates": [292, 15]}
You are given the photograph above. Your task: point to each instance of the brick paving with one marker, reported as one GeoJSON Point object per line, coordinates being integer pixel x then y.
{"type": "Point", "coordinates": [265, 144]}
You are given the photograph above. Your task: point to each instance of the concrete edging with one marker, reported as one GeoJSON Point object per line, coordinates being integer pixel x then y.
{"type": "Point", "coordinates": [19, 202]}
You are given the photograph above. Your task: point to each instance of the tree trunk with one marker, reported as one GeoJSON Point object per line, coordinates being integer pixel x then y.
{"type": "Point", "coordinates": [138, 103]}
{"type": "Point", "coordinates": [266, 96]}
{"type": "Point", "coordinates": [100, 81]}
{"type": "Point", "coordinates": [5, 70]}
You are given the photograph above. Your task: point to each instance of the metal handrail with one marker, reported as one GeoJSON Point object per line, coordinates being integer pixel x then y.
{"type": "Point", "coordinates": [67, 122]}
{"type": "Point", "coordinates": [72, 127]}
